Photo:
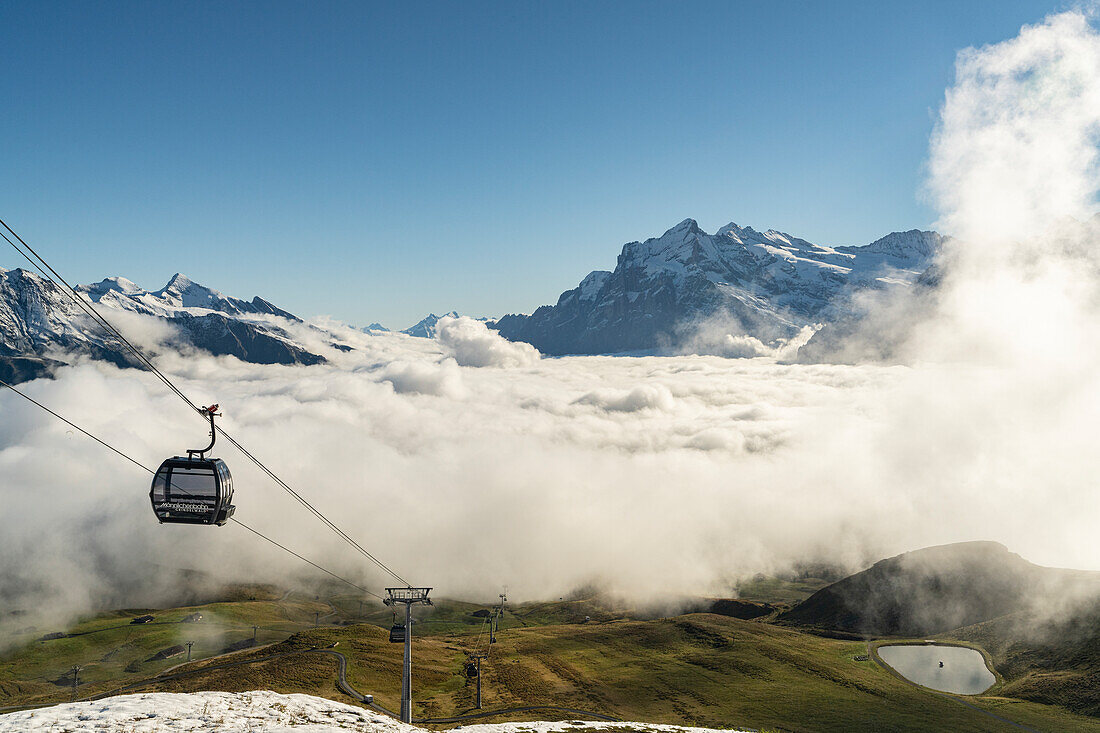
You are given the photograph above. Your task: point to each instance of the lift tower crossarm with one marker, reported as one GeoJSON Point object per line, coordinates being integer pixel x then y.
{"type": "Point", "coordinates": [407, 596]}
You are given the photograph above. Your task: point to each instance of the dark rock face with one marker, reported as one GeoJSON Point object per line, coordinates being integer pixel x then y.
{"type": "Point", "coordinates": [634, 312]}
{"type": "Point", "coordinates": [221, 336]}
{"type": "Point", "coordinates": [40, 324]}
{"type": "Point", "coordinates": [259, 305]}
{"type": "Point", "coordinates": [767, 285]}
{"type": "Point", "coordinates": [736, 608]}
{"type": "Point", "coordinates": [16, 369]}
{"type": "Point", "coordinates": [926, 592]}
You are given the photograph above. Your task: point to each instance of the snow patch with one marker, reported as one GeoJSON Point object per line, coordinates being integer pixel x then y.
{"type": "Point", "coordinates": [592, 284]}
{"type": "Point", "coordinates": [223, 712]}
{"type": "Point", "coordinates": [260, 710]}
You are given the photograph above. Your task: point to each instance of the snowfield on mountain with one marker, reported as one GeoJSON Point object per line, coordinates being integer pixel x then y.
{"type": "Point", "coordinates": [736, 293]}
{"type": "Point", "coordinates": [39, 321]}
{"type": "Point", "coordinates": [687, 291]}
{"type": "Point", "coordinates": [261, 710]}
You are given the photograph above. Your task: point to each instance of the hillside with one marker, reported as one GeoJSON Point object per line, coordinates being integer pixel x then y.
{"type": "Point", "coordinates": [694, 669]}
{"type": "Point", "coordinates": [1051, 655]}
{"type": "Point", "coordinates": [934, 590]}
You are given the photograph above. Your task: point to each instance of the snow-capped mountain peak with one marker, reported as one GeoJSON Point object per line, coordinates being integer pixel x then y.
{"type": "Point", "coordinates": [181, 291]}
{"type": "Point", "coordinates": [425, 328]}
{"type": "Point", "coordinates": [181, 296]}
{"type": "Point", "coordinates": [913, 244]}
{"type": "Point", "coordinates": [771, 282]}
{"type": "Point", "coordinates": [38, 320]}
{"type": "Point", "coordinates": [592, 284]}
{"type": "Point", "coordinates": [116, 284]}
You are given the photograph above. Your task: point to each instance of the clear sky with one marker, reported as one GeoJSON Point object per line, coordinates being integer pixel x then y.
{"type": "Point", "coordinates": [376, 162]}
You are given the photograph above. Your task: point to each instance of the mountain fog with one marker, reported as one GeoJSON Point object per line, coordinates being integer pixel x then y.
{"type": "Point", "coordinates": [470, 463]}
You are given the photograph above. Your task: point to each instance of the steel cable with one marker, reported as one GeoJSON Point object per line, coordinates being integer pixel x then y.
{"type": "Point", "coordinates": [111, 331]}
{"type": "Point", "coordinates": [142, 466]}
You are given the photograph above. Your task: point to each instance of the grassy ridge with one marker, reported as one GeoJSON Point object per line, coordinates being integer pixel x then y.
{"type": "Point", "coordinates": [111, 651]}
{"type": "Point", "coordinates": [700, 669]}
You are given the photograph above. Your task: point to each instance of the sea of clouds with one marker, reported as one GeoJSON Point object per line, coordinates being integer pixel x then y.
{"type": "Point", "coordinates": [470, 463]}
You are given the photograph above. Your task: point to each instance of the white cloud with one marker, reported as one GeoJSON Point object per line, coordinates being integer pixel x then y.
{"type": "Point", "coordinates": [442, 378]}
{"type": "Point", "coordinates": [644, 397]}
{"type": "Point", "coordinates": [1015, 149]}
{"type": "Point", "coordinates": [473, 344]}
{"type": "Point", "coordinates": [652, 475]}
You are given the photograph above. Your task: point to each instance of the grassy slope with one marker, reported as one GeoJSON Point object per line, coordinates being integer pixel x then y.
{"type": "Point", "coordinates": [697, 669]}
{"type": "Point", "coordinates": [700, 669]}
{"type": "Point", "coordinates": [1044, 661]}
{"type": "Point", "coordinates": [926, 591]}
{"type": "Point", "coordinates": [111, 651]}
{"type": "Point", "coordinates": [978, 592]}
{"type": "Point", "coordinates": [781, 591]}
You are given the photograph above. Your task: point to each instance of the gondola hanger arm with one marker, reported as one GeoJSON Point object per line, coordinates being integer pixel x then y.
{"type": "Point", "coordinates": [211, 412]}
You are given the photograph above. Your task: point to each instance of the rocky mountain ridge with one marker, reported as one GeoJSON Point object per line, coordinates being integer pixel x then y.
{"type": "Point", "coordinates": [41, 327]}
{"type": "Point", "coordinates": [768, 285]}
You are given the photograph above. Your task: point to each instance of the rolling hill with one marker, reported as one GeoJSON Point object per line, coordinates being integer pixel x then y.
{"type": "Point", "coordinates": [934, 590]}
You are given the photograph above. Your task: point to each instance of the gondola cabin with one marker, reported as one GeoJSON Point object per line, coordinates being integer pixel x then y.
{"type": "Point", "coordinates": [397, 634]}
{"type": "Point", "coordinates": [193, 491]}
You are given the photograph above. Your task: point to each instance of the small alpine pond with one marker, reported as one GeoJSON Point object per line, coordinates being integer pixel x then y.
{"type": "Point", "coordinates": [946, 668]}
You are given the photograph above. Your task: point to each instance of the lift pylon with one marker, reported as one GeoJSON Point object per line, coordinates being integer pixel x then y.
{"type": "Point", "coordinates": [473, 670]}
{"type": "Point", "coordinates": [407, 597]}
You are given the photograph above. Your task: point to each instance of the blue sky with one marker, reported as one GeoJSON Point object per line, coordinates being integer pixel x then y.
{"type": "Point", "coordinates": [376, 162]}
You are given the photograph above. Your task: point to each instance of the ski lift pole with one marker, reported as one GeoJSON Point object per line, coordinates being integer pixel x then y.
{"type": "Point", "coordinates": [407, 668]}
{"type": "Point", "coordinates": [407, 596]}
{"type": "Point", "coordinates": [478, 658]}
{"type": "Point", "coordinates": [472, 670]}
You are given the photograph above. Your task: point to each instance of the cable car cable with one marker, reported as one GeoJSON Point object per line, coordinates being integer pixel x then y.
{"type": "Point", "coordinates": [89, 309]}
{"type": "Point", "coordinates": [311, 508]}
{"type": "Point", "coordinates": [142, 466]}
{"type": "Point", "coordinates": [477, 644]}
{"type": "Point", "coordinates": [86, 306]}
{"type": "Point", "coordinates": [306, 560]}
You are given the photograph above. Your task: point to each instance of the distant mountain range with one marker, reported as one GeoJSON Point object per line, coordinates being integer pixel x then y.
{"type": "Point", "coordinates": [40, 327]}
{"type": "Point", "coordinates": [673, 292]}
{"type": "Point", "coordinates": [768, 285]}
